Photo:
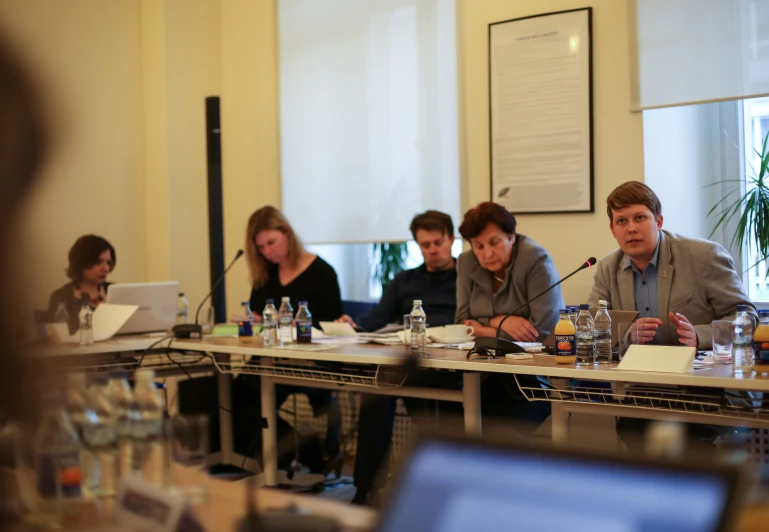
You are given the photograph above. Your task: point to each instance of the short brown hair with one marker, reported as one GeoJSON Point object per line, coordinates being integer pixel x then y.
{"type": "Point", "coordinates": [483, 214]}
{"type": "Point", "coordinates": [633, 193]}
{"type": "Point", "coordinates": [84, 253]}
{"type": "Point", "coordinates": [432, 221]}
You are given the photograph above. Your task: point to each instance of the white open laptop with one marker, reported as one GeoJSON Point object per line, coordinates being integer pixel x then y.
{"type": "Point", "coordinates": [156, 302]}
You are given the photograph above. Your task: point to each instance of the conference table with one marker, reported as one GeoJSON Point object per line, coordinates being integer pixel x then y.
{"type": "Point", "coordinates": [707, 395]}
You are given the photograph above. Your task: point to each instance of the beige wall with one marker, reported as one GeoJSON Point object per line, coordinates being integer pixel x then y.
{"type": "Point", "coordinates": [87, 53]}
{"type": "Point", "coordinates": [130, 77]}
{"type": "Point", "coordinates": [618, 134]}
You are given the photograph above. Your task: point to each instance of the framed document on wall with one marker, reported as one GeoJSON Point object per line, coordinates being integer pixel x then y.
{"type": "Point", "coordinates": [541, 113]}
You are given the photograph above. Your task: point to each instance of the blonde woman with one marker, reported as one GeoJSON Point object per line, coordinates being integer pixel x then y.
{"type": "Point", "coordinates": [281, 267]}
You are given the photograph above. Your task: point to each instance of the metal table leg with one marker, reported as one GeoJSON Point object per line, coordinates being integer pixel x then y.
{"type": "Point", "coordinates": [471, 398]}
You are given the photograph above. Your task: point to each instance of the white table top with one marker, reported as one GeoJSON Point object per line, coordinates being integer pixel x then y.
{"type": "Point", "coordinates": [716, 376]}
{"type": "Point", "coordinates": [117, 344]}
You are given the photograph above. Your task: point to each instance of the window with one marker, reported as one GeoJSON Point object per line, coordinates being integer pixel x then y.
{"type": "Point", "coordinates": [369, 116]}
{"type": "Point", "coordinates": [756, 126]}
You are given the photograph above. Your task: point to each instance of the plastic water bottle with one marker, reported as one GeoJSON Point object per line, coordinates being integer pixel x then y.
{"type": "Point", "coordinates": [246, 323]}
{"type": "Point", "coordinates": [182, 310]}
{"type": "Point", "coordinates": [418, 326]}
{"type": "Point", "coordinates": [303, 324]}
{"type": "Point", "coordinates": [270, 324]}
{"type": "Point", "coordinates": [57, 458]}
{"type": "Point", "coordinates": [149, 458]}
{"type": "Point", "coordinates": [121, 396]}
{"type": "Point", "coordinates": [77, 408]}
{"type": "Point", "coordinates": [573, 313]}
{"type": "Point", "coordinates": [86, 325]}
{"type": "Point", "coordinates": [285, 320]}
{"type": "Point", "coordinates": [602, 334]}
{"type": "Point", "coordinates": [584, 326]}
{"type": "Point", "coordinates": [100, 438]}
{"type": "Point", "coordinates": [742, 341]}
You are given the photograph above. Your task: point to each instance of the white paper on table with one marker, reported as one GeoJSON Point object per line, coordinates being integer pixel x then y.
{"type": "Point", "coordinates": [107, 321]}
{"type": "Point", "coordinates": [331, 328]}
{"type": "Point", "coordinates": [659, 359]}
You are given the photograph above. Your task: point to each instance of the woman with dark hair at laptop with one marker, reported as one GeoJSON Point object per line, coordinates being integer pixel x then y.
{"type": "Point", "coordinates": [91, 259]}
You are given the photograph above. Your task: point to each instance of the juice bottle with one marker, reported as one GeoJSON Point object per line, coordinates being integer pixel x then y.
{"type": "Point", "coordinates": [761, 344]}
{"type": "Point", "coordinates": [565, 339]}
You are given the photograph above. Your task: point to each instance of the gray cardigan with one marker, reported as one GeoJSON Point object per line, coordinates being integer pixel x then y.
{"type": "Point", "coordinates": [694, 277]}
{"type": "Point", "coordinates": [532, 272]}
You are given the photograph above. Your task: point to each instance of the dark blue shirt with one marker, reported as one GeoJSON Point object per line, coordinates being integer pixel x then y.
{"type": "Point", "coordinates": [437, 290]}
{"type": "Point", "coordinates": [645, 285]}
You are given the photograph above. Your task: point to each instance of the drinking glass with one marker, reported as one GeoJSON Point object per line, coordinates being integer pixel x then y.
{"type": "Point", "coordinates": [407, 329]}
{"type": "Point", "coordinates": [207, 319]}
{"type": "Point", "coordinates": [188, 439]}
{"type": "Point", "coordinates": [722, 339]}
{"type": "Point", "coordinates": [628, 332]}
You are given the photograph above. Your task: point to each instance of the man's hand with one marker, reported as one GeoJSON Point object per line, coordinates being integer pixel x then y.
{"type": "Point", "coordinates": [647, 329]}
{"type": "Point", "coordinates": [520, 329]}
{"type": "Point", "coordinates": [686, 333]}
{"type": "Point", "coordinates": [344, 318]}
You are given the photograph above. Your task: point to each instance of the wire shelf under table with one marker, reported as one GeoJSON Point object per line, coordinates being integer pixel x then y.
{"type": "Point", "coordinates": [375, 377]}
{"type": "Point", "coordinates": [693, 400]}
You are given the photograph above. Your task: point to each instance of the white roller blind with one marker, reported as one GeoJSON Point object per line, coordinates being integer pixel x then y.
{"type": "Point", "coordinates": [369, 116]}
{"type": "Point", "coordinates": [695, 51]}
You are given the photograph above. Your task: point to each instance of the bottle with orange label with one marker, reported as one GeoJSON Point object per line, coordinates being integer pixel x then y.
{"type": "Point", "coordinates": [761, 344]}
{"type": "Point", "coordinates": [565, 339]}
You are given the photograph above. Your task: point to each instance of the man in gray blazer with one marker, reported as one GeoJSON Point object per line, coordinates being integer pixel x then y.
{"type": "Point", "coordinates": [678, 285]}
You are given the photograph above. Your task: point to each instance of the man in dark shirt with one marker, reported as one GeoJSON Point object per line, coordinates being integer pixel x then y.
{"type": "Point", "coordinates": [434, 282]}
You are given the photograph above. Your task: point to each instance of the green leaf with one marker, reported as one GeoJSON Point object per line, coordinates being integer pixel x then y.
{"type": "Point", "coordinates": [750, 208]}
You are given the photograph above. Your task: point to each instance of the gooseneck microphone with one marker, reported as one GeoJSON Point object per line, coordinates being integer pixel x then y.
{"type": "Point", "coordinates": [189, 330]}
{"type": "Point", "coordinates": [502, 346]}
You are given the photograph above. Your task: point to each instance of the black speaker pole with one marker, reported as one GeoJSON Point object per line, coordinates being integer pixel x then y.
{"type": "Point", "coordinates": [215, 207]}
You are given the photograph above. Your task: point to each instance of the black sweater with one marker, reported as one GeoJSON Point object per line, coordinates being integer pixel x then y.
{"type": "Point", "coordinates": [66, 296]}
{"type": "Point", "coordinates": [437, 290]}
{"type": "Point", "coordinates": [317, 285]}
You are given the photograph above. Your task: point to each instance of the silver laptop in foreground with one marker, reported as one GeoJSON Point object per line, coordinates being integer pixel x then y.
{"type": "Point", "coordinates": [156, 302]}
{"type": "Point", "coordinates": [461, 484]}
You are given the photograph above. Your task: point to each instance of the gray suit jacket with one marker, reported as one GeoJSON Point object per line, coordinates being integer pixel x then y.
{"type": "Point", "coordinates": [532, 272]}
{"type": "Point", "coordinates": [695, 278]}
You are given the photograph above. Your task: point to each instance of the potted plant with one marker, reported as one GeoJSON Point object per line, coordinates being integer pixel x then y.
{"type": "Point", "coordinates": [389, 260]}
{"type": "Point", "coordinates": [751, 206]}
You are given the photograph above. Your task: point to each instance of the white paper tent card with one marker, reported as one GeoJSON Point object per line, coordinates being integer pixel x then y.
{"type": "Point", "coordinates": [658, 358]}
{"type": "Point", "coordinates": [107, 321]}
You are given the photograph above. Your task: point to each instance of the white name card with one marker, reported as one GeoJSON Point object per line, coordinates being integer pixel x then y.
{"type": "Point", "coordinates": [142, 506]}
{"type": "Point", "coordinates": [660, 359]}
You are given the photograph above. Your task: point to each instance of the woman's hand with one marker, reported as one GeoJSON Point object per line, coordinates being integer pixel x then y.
{"type": "Point", "coordinates": [520, 329]}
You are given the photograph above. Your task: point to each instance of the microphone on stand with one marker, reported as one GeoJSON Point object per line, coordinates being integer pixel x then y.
{"type": "Point", "coordinates": [500, 346]}
{"type": "Point", "coordinates": [190, 330]}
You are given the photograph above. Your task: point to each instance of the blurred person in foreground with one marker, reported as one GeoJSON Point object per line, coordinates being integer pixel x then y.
{"type": "Point", "coordinates": [24, 141]}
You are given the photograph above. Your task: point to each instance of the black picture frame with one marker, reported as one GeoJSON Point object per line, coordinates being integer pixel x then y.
{"type": "Point", "coordinates": [527, 192]}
